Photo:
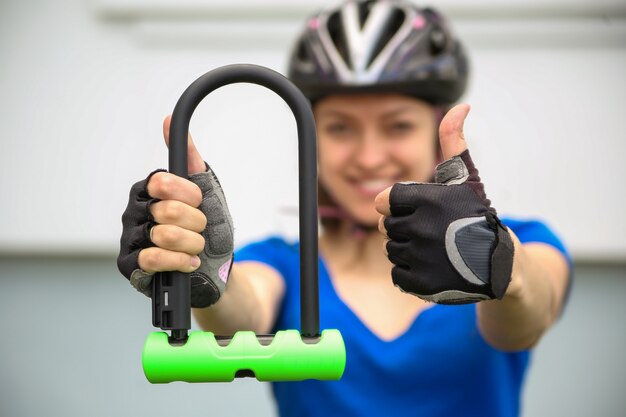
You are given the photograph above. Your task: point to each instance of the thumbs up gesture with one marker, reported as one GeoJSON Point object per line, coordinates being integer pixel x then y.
{"type": "Point", "coordinates": [445, 240]}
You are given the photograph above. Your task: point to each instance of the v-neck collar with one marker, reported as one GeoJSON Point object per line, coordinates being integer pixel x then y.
{"type": "Point", "coordinates": [332, 291]}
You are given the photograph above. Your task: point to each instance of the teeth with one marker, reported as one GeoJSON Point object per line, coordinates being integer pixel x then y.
{"type": "Point", "coordinates": [375, 185]}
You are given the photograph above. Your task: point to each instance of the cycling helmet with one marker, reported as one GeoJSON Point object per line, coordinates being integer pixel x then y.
{"type": "Point", "coordinates": [385, 45]}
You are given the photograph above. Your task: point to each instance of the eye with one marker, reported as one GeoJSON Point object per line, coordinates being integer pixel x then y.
{"type": "Point", "coordinates": [401, 127]}
{"type": "Point", "coordinates": [338, 129]}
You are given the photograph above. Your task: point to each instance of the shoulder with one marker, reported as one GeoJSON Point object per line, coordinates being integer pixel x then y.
{"type": "Point", "coordinates": [274, 250]}
{"type": "Point", "coordinates": [269, 243]}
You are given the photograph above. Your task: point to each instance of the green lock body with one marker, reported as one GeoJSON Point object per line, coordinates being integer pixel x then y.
{"type": "Point", "coordinates": [285, 356]}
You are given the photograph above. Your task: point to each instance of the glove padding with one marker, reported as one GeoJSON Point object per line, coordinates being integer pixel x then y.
{"type": "Point", "coordinates": [446, 241]}
{"type": "Point", "coordinates": [208, 282]}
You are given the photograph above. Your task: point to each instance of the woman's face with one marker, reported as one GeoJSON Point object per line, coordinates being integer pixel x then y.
{"type": "Point", "coordinates": [368, 142]}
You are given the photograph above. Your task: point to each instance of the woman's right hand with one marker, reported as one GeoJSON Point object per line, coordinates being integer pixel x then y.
{"type": "Point", "coordinates": [165, 228]}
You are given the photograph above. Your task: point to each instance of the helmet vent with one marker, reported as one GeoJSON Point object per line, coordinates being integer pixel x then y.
{"type": "Point", "coordinates": [337, 35]}
{"type": "Point", "coordinates": [302, 53]}
{"type": "Point", "coordinates": [364, 12]}
{"type": "Point", "coordinates": [392, 27]}
{"type": "Point", "coordinates": [438, 40]}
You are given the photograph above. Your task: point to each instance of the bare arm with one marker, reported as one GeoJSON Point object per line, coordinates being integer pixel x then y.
{"type": "Point", "coordinates": [533, 299]}
{"type": "Point", "coordinates": [250, 302]}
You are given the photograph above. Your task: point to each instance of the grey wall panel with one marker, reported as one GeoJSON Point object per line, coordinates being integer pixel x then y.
{"type": "Point", "coordinates": [73, 331]}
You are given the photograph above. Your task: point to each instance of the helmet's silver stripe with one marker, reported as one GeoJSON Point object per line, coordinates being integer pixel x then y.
{"type": "Point", "coordinates": [337, 62]}
{"type": "Point", "coordinates": [378, 65]}
{"type": "Point", "coordinates": [361, 42]}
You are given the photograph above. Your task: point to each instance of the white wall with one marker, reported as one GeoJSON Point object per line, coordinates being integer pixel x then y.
{"type": "Point", "coordinates": [85, 87]}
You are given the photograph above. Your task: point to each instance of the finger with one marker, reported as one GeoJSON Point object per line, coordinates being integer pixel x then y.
{"type": "Point", "coordinates": [451, 136]}
{"type": "Point", "coordinates": [403, 199]}
{"type": "Point", "coordinates": [195, 163]}
{"type": "Point", "coordinates": [399, 253]}
{"type": "Point", "coordinates": [397, 228]}
{"type": "Point", "coordinates": [404, 280]}
{"type": "Point", "coordinates": [178, 214]}
{"type": "Point", "coordinates": [156, 260]}
{"type": "Point", "coordinates": [174, 238]}
{"type": "Point", "coordinates": [382, 202]}
{"type": "Point", "coordinates": [166, 186]}
{"type": "Point", "coordinates": [381, 226]}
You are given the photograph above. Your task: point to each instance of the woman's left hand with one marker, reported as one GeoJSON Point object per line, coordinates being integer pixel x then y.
{"type": "Point", "coordinates": [444, 238]}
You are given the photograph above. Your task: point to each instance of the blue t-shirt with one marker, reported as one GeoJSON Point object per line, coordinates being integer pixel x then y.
{"type": "Point", "coordinates": [440, 366]}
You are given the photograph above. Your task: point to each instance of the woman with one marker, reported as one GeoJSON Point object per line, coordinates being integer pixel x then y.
{"type": "Point", "coordinates": [380, 75]}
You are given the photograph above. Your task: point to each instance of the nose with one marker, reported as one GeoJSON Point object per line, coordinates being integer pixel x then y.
{"type": "Point", "coordinates": [370, 153]}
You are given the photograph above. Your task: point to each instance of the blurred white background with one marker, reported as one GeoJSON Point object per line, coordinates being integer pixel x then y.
{"type": "Point", "coordinates": [85, 87]}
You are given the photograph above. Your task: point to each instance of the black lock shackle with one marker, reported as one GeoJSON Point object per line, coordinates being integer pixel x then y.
{"type": "Point", "coordinates": [176, 304]}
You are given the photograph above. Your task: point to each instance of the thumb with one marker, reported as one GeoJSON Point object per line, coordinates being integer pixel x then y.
{"type": "Point", "coordinates": [195, 163]}
{"type": "Point", "coordinates": [451, 136]}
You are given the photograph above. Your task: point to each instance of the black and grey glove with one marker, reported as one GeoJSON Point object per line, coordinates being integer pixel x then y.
{"type": "Point", "coordinates": [208, 282]}
{"type": "Point", "coordinates": [446, 241]}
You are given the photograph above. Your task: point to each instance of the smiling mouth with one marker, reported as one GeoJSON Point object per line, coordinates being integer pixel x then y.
{"type": "Point", "coordinates": [371, 188]}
